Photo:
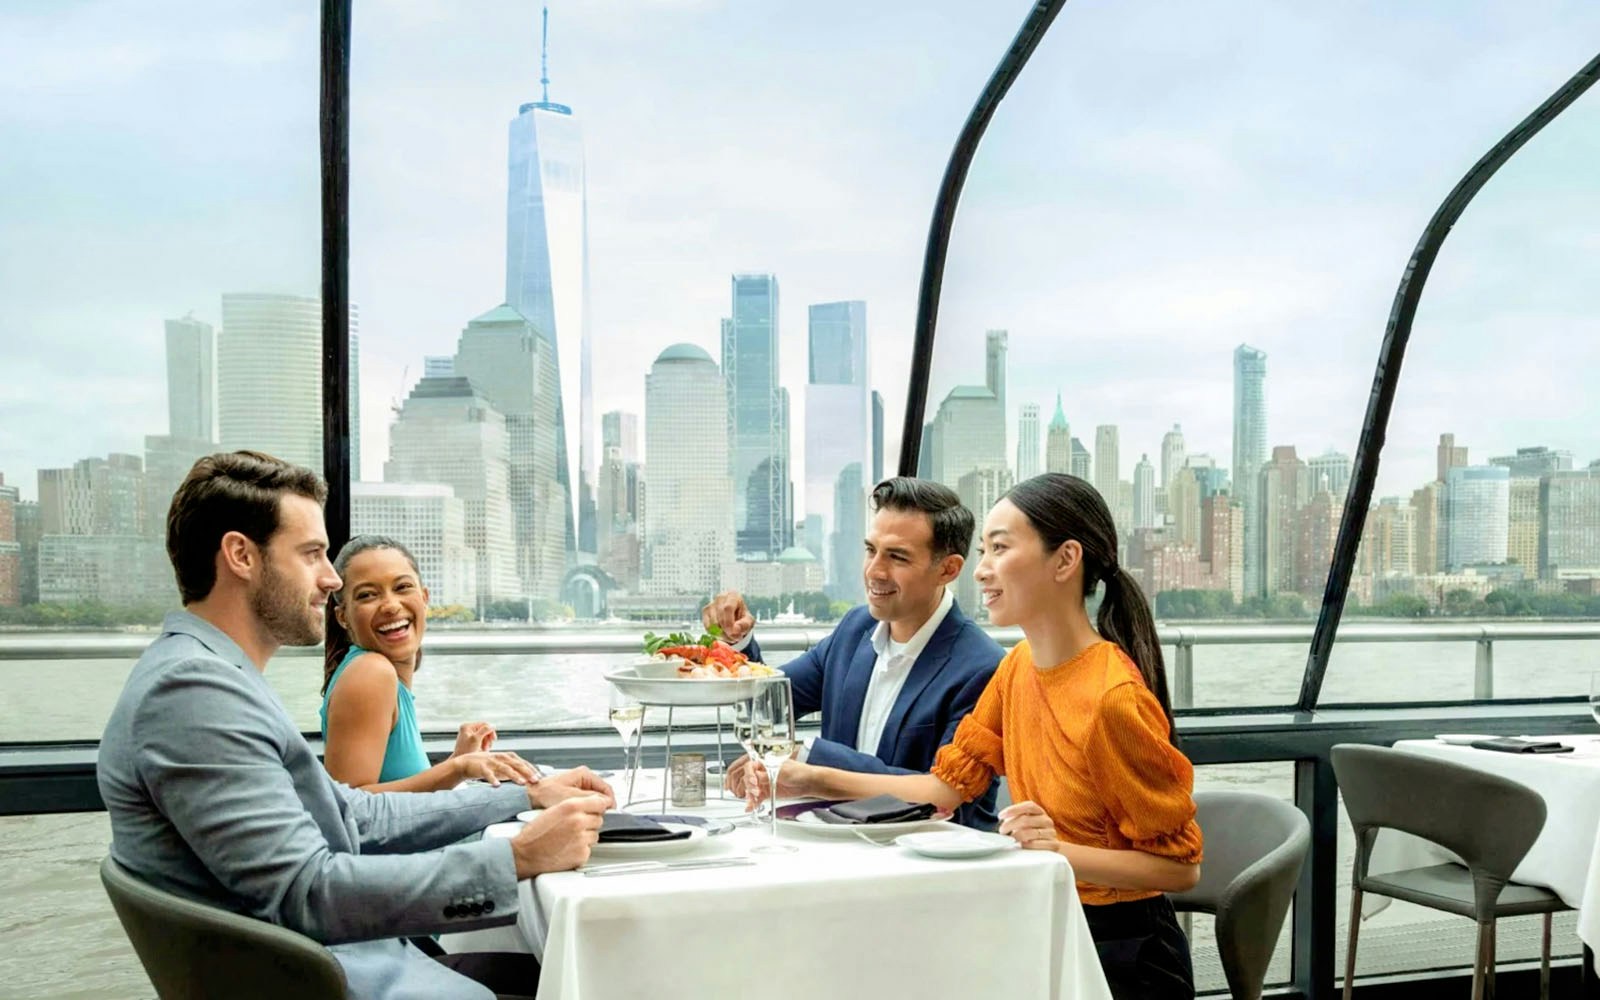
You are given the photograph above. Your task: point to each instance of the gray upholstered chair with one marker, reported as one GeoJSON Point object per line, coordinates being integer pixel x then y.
{"type": "Point", "coordinates": [1489, 822]}
{"type": "Point", "coordinates": [191, 950]}
{"type": "Point", "coordinates": [1254, 848]}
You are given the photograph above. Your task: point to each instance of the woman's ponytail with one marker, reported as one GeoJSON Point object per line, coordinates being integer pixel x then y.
{"type": "Point", "coordinates": [1125, 619]}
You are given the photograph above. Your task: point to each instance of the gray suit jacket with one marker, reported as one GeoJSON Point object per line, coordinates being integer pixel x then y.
{"type": "Point", "coordinates": [215, 795]}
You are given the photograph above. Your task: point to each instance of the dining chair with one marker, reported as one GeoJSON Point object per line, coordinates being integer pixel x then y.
{"type": "Point", "coordinates": [1486, 820]}
{"type": "Point", "coordinates": [1255, 846]}
{"type": "Point", "coordinates": [192, 950]}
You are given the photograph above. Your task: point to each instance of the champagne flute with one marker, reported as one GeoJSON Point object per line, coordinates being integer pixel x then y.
{"type": "Point", "coordinates": [627, 718]}
{"type": "Point", "coordinates": [772, 742]}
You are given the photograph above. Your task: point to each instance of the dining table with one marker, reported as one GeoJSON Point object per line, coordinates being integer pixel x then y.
{"type": "Point", "coordinates": [1566, 856]}
{"type": "Point", "coordinates": [846, 912]}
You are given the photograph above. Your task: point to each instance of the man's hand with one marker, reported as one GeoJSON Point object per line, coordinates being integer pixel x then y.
{"type": "Point", "coordinates": [473, 737]}
{"type": "Point", "coordinates": [495, 768]}
{"type": "Point", "coordinates": [1029, 825]}
{"type": "Point", "coordinates": [578, 782]}
{"type": "Point", "coordinates": [728, 612]}
{"type": "Point", "coordinates": [559, 839]}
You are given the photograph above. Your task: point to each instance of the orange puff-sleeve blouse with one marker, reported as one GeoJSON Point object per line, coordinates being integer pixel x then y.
{"type": "Point", "coordinates": [1087, 741]}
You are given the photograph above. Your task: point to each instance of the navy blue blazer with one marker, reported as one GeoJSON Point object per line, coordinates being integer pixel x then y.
{"type": "Point", "coordinates": [942, 687]}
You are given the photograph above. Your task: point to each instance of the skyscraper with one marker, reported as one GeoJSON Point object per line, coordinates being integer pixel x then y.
{"type": "Point", "coordinates": [1332, 466]}
{"type": "Point", "coordinates": [1477, 515]}
{"type": "Point", "coordinates": [1449, 456]}
{"type": "Point", "coordinates": [1058, 442]}
{"type": "Point", "coordinates": [1535, 462]}
{"type": "Point", "coordinates": [1173, 454]}
{"type": "Point", "coordinates": [849, 512]}
{"type": "Point", "coordinates": [1522, 527]}
{"type": "Point", "coordinates": [514, 367]}
{"type": "Point", "coordinates": [620, 430]}
{"type": "Point", "coordinates": [547, 281]}
{"type": "Point", "coordinates": [969, 433]}
{"type": "Point", "coordinates": [1107, 468]}
{"type": "Point", "coordinates": [448, 432]}
{"type": "Point", "coordinates": [191, 379]}
{"type": "Point", "coordinates": [1425, 507]}
{"type": "Point", "coordinates": [994, 367]}
{"type": "Point", "coordinates": [758, 440]}
{"type": "Point", "coordinates": [431, 521]}
{"type": "Point", "coordinates": [1082, 461]}
{"type": "Point", "coordinates": [877, 437]}
{"type": "Point", "coordinates": [1282, 489]}
{"type": "Point", "coordinates": [689, 524]}
{"type": "Point", "coordinates": [10, 548]}
{"type": "Point", "coordinates": [1028, 442]}
{"type": "Point", "coordinates": [838, 432]}
{"type": "Point", "coordinates": [1249, 451]}
{"type": "Point", "coordinates": [1569, 524]}
{"type": "Point", "coordinates": [1144, 493]}
{"type": "Point", "coordinates": [269, 378]}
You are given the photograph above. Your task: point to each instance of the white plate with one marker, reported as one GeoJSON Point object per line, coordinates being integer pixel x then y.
{"type": "Point", "coordinates": [797, 816]}
{"type": "Point", "coordinates": [1461, 739]}
{"type": "Point", "coordinates": [956, 843]}
{"type": "Point", "coordinates": [643, 850]}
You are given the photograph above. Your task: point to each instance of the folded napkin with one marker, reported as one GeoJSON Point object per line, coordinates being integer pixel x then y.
{"type": "Point", "coordinates": [878, 809]}
{"type": "Point", "coordinates": [626, 828]}
{"type": "Point", "coordinates": [1511, 744]}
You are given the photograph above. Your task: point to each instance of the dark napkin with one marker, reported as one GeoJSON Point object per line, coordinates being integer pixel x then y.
{"type": "Point", "coordinates": [626, 828]}
{"type": "Point", "coordinates": [1510, 744]}
{"type": "Point", "coordinates": [878, 809]}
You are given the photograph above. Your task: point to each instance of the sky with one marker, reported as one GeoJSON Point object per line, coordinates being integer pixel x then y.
{"type": "Point", "coordinates": [1165, 181]}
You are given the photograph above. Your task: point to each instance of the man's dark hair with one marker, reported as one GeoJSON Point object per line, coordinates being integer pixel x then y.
{"type": "Point", "coordinates": [952, 523]}
{"type": "Point", "coordinates": [229, 491]}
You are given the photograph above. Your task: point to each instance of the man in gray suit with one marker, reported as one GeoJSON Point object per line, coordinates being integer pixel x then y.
{"type": "Point", "coordinates": [215, 795]}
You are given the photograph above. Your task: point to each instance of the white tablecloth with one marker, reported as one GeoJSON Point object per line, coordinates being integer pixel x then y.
{"type": "Point", "coordinates": [834, 918]}
{"type": "Point", "coordinates": [1566, 857]}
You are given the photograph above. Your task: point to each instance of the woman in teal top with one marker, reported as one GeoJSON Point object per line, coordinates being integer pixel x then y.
{"type": "Point", "coordinates": [374, 647]}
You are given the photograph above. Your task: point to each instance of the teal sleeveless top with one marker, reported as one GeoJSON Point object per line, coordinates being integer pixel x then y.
{"type": "Point", "coordinates": [403, 755]}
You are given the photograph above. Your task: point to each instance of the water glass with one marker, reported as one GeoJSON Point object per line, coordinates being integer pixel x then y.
{"type": "Point", "coordinates": [1594, 696]}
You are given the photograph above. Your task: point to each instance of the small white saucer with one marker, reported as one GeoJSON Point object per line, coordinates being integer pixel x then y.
{"type": "Point", "coordinates": [956, 843]}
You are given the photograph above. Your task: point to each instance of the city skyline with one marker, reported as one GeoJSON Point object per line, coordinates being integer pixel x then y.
{"type": "Point", "coordinates": [1316, 307]}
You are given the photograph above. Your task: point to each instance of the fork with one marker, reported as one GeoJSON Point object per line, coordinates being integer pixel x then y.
{"type": "Point", "coordinates": [872, 840]}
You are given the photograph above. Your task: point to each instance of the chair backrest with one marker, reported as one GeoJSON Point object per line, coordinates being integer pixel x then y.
{"type": "Point", "coordinates": [1486, 820]}
{"type": "Point", "coordinates": [1254, 848]}
{"type": "Point", "coordinates": [192, 950]}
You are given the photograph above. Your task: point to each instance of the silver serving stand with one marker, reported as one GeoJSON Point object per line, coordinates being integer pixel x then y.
{"type": "Point", "coordinates": [655, 684]}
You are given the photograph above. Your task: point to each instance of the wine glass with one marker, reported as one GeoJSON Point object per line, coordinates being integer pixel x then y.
{"type": "Point", "coordinates": [1594, 696]}
{"type": "Point", "coordinates": [627, 718]}
{"type": "Point", "coordinates": [772, 742]}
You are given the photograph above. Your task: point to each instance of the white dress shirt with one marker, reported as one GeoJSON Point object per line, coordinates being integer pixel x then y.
{"type": "Point", "coordinates": [889, 673]}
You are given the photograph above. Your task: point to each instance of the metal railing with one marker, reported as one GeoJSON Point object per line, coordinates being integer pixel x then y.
{"type": "Point", "coordinates": [1183, 639]}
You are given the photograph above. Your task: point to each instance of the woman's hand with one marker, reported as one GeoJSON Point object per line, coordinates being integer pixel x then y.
{"type": "Point", "coordinates": [748, 778]}
{"type": "Point", "coordinates": [1029, 825]}
{"type": "Point", "coordinates": [473, 737]}
{"type": "Point", "coordinates": [495, 768]}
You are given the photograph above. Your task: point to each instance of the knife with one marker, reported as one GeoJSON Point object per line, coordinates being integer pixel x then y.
{"type": "Point", "coordinates": [640, 867]}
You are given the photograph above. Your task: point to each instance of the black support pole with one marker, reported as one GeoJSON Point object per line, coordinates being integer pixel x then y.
{"type": "Point", "coordinates": [944, 212]}
{"type": "Point", "coordinates": [1387, 378]}
{"type": "Point", "coordinates": [335, 127]}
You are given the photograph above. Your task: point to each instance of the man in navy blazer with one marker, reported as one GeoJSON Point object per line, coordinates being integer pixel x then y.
{"type": "Point", "coordinates": [898, 674]}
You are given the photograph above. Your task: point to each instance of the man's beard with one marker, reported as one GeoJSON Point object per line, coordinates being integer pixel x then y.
{"type": "Point", "coordinates": [287, 616]}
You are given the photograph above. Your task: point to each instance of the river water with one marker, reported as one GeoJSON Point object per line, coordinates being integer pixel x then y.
{"type": "Point", "coordinates": [62, 939]}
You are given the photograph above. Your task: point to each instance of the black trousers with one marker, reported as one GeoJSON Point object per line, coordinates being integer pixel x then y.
{"type": "Point", "coordinates": [510, 975]}
{"type": "Point", "coordinates": [1142, 949]}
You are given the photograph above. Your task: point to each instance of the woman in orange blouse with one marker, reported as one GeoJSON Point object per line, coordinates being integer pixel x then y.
{"type": "Point", "coordinates": [1078, 720]}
